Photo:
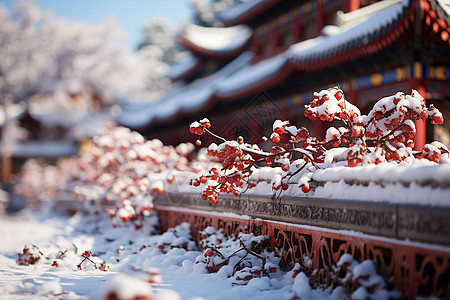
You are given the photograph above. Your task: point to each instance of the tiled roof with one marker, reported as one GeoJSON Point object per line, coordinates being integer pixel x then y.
{"type": "Point", "coordinates": [370, 33]}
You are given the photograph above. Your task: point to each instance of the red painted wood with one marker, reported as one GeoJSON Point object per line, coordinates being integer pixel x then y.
{"type": "Point", "coordinates": [413, 269]}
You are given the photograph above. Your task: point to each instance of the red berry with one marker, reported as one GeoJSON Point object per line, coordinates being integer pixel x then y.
{"type": "Point", "coordinates": [86, 253]}
{"type": "Point", "coordinates": [313, 117]}
{"type": "Point", "coordinates": [279, 130]}
{"type": "Point", "coordinates": [378, 115]}
{"type": "Point", "coordinates": [436, 155]}
{"type": "Point", "coordinates": [438, 120]}
{"type": "Point", "coordinates": [356, 132]}
{"type": "Point", "coordinates": [203, 179]}
{"type": "Point", "coordinates": [302, 133]}
{"type": "Point", "coordinates": [198, 143]}
{"type": "Point", "coordinates": [325, 98]}
{"type": "Point", "coordinates": [352, 162]}
{"type": "Point", "coordinates": [199, 130]}
{"type": "Point", "coordinates": [306, 188]}
{"type": "Point", "coordinates": [209, 253]}
{"type": "Point", "coordinates": [276, 138]}
{"type": "Point", "coordinates": [215, 171]}
{"type": "Point", "coordinates": [338, 95]}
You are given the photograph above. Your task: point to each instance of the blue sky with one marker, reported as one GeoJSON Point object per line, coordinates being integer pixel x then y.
{"type": "Point", "coordinates": [131, 14]}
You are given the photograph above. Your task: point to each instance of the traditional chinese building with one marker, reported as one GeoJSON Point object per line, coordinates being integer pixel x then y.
{"type": "Point", "coordinates": [266, 59]}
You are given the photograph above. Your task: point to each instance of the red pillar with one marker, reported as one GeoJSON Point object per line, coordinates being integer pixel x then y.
{"type": "Point", "coordinates": [421, 132]}
{"type": "Point", "coordinates": [296, 26]}
{"type": "Point", "coordinates": [320, 16]}
{"type": "Point", "coordinates": [352, 5]}
{"type": "Point", "coordinates": [255, 45]}
{"type": "Point", "coordinates": [275, 35]}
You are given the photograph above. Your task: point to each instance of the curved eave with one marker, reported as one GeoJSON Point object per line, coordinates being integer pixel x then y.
{"type": "Point", "coordinates": [187, 73]}
{"type": "Point", "coordinates": [247, 13]}
{"type": "Point", "coordinates": [376, 42]}
{"type": "Point", "coordinates": [392, 32]}
{"type": "Point", "coordinates": [437, 18]}
{"type": "Point", "coordinates": [208, 53]}
{"type": "Point", "coordinates": [340, 54]}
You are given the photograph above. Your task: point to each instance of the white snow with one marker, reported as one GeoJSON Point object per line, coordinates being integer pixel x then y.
{"type": "Point", "coordinates": [217, 39]}
{"type": "Point", "coordinates": [45, 149]}
{"type": "Point", "coordinates": [238, 10]}
{"type": "Point", "coordinates": [187, 98]}
{"type": "Point", "coordinates": [130, 263]}
{"type": "Point", "coordinates": [14, 111]}
{"type": "Point", "coordinates": [178, 69]}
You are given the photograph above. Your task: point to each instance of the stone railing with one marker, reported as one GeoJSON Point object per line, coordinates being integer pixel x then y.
{"type": "Point", "coordinates": [430, 224]}
{"type": "Point", "coordinates": [409, 244]}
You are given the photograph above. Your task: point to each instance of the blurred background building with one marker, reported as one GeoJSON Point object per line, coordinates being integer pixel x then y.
{"type": "Point", "coordinates": [256, 61]}
{"type": "Point", "coordinates": [240, 63]}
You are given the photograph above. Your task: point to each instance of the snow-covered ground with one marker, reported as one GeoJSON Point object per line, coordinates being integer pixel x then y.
{"type": "Point", "coordinates": [120, 248]}
{"type": "Point", "coordinates": [131, 255]}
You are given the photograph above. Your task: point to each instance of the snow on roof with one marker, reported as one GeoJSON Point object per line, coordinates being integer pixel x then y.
{"type": "Point", "coordinates": [238, 10]}
{"type": "Point", "coordinates": [179, 69]}
{"type": "Point", "coordinates": [183, 99]}
{"type": "Point", "coordinates": [442, 8]}
{"type": "Point", "coordinates": [44, 149]}
{"type": "Point", "coordinates": [251, 74]}
{"type": "Point", "coordinates": [14, 111]}
{"type": "Point", "coordinates": [332, 40]}
{"type": "Point", "coordinates": [359, 15]}
{"type": "Point", "coordinates": [91, 125]}
{"type": "Point", "coordinates": [353, 35]}
{"type": "Point", "coordinates": [357, 30]}
{"type": "Point", "coordinates": [217, 39]}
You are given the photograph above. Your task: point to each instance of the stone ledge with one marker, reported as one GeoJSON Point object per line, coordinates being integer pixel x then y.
{"type": "Point", "coordinates": [430, 224]}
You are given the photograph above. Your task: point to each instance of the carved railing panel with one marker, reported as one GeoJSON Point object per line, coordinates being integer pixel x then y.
{"type": "Point", "coordinates": [413, 270]}
{"type": "Point", "coordinates": [430, 224]}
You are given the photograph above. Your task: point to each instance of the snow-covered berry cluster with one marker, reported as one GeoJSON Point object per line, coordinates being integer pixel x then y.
{"type": "Point", "coordinates": [242, 258]}
{"type": "Point", "coordinates": [38, 182]}
{"type": "Point", "coordinates": [199, 128]}
{"type": "Point", "coordinates": [385, 135]}
{"type": "Point", "coordinates": [178, 237]}
{"type": "Point", "coordinates": [30, 255]}
{"type": "Point", "coordinates": [232, 176]}
{"type": "Point", "coordinates": [89, 260]}
{"type": "Point", "coordinates": [360, 279]}
{"type": "Point", "coordinates": [125, 172]}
